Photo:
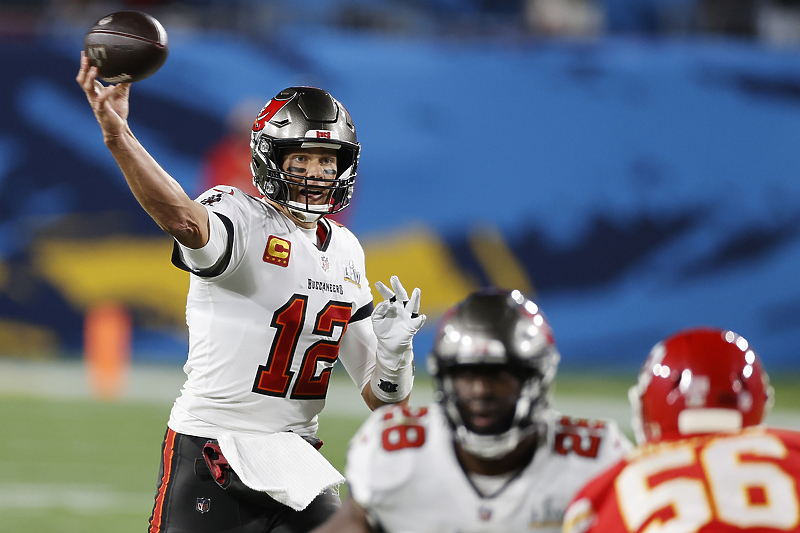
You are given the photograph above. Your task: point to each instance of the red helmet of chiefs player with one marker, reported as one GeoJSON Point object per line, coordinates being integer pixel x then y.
{"type": "Point", "coordinates": [698, 381]}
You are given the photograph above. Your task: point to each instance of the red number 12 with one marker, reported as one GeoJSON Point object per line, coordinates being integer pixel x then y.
{"type": "Point", "coordinates": [273, 378]}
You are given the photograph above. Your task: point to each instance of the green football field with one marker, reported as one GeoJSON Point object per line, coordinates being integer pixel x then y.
{"type": "Point", "coordinates": [75, 464]}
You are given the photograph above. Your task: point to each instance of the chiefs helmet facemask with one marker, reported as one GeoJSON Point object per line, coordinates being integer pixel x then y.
{"type": "Point", "coordinates": [699, 381]}
{"type": "Point", "coordinates": [304, 117]}
{"type": "Point", "coordinates": [500, 328]}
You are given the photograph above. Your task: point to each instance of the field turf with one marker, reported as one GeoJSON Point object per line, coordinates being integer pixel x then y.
{"type": "Point", "coordinates": [79, 465]}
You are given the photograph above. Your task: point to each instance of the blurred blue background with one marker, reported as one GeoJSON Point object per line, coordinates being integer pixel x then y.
{"type": "Point", "coordinates": [630, 164]}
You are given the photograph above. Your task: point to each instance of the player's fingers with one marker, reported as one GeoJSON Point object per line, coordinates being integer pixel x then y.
{"type": "Point", "coordinates": [113, 92]}
{"type": "Point", "coordinates": [82, 71]}
{"type": "Point", "coordinates": [381, 309]}
{"type": "Point", "coordinates": [401, 293]}
{"type": "Point", "coordinates": [122, 89]}
{"type": "Point", "coordinates": [90, 85]}
{"type": "Point", "coordinates": [101, 93]}
{"type": "Point", "coordinates": [384, 290]}
{"type": "Point", "coordinates": [86, 81]}
{"type": "Point", "coordinates": [413, 302]}
{"type": "Point", "coordinates": [89, 72]}
{"type": "Point", "coordinates": [418, 322]}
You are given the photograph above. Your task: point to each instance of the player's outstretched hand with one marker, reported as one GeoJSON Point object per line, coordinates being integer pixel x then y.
{"type": "Point", "coordinates": [395, 321]}
{"type": "Point", "coordinates": [109, 103]}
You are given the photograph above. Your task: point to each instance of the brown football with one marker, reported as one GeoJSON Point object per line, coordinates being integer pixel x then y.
{"type": "Point", "coordinates": [126, 46]}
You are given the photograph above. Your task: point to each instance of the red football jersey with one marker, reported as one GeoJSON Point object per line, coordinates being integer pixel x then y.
{"type": "Point", "coordinates": [746, 481]}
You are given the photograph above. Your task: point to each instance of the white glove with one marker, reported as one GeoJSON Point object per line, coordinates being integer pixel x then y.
{"type": "Point", "coordinates": [395, 321]}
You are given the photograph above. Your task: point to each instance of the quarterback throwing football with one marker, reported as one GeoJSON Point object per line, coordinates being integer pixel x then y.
{"type": "Point", "coordinates": [490, 454]}
{"type": "Point", "coordinates": [277, 295]}
{"type": "Point", "coordinates": [704, 463]}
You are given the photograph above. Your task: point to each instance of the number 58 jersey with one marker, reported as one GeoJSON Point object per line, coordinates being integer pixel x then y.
{"type": "Point", "coordinates": [268, 321]}
{"type": "Point", "coordinates": [403, 470]}
{"type": "Point", "coordinates": [746, 481]}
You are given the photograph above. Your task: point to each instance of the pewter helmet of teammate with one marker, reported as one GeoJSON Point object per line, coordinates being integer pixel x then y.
{"type": "Point", "coordinates": [497, 328]}
{"type": "Point", "coordinates": [304, 117]}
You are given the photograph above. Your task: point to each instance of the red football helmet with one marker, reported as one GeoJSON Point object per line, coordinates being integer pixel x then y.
{"type": "Point", "coordinates": [697, 381]}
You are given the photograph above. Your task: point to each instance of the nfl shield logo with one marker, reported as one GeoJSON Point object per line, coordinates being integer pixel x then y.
{"type": "Point", "coordinates": [485, 513]}
{"type": "Point", "coordinates": [203, 505]}
{"type": "Point", "coordinates": [326, 265]}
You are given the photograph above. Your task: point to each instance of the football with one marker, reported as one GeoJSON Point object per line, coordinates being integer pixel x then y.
{"type": "Point", "coordinates": [126, 46]}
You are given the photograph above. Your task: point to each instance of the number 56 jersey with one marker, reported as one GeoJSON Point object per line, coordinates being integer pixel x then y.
{"type": "Point", "coordinates": [268, 321]}
{"type": "Point", "coordinates": [403, 470]}
{"type": "Point", "coordinates": [746, 481]}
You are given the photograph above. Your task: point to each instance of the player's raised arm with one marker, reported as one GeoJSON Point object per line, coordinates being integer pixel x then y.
{"type": "Point", "coordinates": [158, 193]}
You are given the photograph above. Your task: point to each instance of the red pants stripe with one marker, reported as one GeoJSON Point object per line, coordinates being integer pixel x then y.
{"type": "Point", "coordinates": [168, 452]}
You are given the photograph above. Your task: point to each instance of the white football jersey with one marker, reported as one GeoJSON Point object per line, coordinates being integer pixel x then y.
{"type": "Point", "coordinates": [402, 469]}
{"type": "Point", "coordinates": [266, 323]}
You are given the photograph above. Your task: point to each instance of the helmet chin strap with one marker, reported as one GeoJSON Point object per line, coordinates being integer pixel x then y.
{"type": "Point", "coordinates": [302, 216]}
{"type": "Point", "coordinates": [298, 216]}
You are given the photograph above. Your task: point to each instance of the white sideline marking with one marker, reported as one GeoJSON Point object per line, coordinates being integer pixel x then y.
{"type": "Point", "coordinates": [86, 499]}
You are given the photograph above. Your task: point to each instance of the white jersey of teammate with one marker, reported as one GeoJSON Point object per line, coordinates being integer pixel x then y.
{"type": "Point", "coordinates": [402, 469]}
{"type": "Point", "coordinates": [266, 322]}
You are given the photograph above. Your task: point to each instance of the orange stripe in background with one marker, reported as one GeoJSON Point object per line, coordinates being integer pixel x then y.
{"type": "Point", "coordinates": [169, 442]}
